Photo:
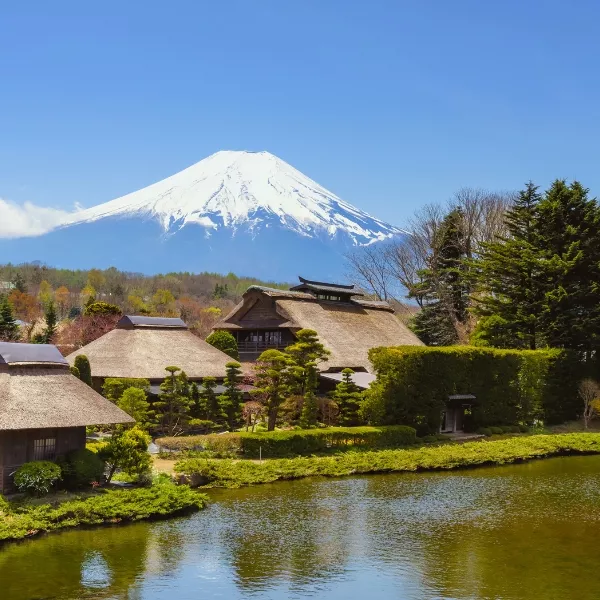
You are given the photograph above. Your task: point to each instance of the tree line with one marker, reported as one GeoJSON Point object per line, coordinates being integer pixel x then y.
{"type": "Point", "coordinates": [509, 270]}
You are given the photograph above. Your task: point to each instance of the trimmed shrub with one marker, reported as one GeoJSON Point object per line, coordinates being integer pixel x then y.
{"type": "Point", "coordinates": [80, 468]}
{"type": "Point", "coordinates": [484, 431]}
{"type": "Point", "coordinates": [429, 439]}
{"type": "Point", "coordinates": [82, 364]}
{"type": "Point", "coordinates": [37, 478]}
{"type": "Point", "coordinates": [101, 308]}
{"type": "Point", "coordinates": [296, 442]}
{"type": "Point", "coordinates": [510, 386]}
{"type": "Point", "coordinates": [523, 428]}
{"type": "Point", "coordinates": [506, 429]}
{"type": "Point", "coordinates": [496, 430]}
{"type": "Point", "coordinates": [225, 342]}
{"type": "Point", "coordinates": [114, 387]}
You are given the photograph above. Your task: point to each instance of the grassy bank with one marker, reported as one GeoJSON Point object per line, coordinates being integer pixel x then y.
{"type": "Point", "coordinates": [231, 473]}
{"type": "Point", "coordinates": [26, 518]}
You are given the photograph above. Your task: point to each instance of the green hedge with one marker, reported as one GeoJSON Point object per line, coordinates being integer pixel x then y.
{"type": "Point", "coordinates": [297, 442]}
{"type": "Point", "coordinates": [510, 386]}
{"type": "Point", "coordinates": [237, 473]}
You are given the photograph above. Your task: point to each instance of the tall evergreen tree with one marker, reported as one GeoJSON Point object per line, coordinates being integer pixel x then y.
{"type": "Point", "coordinates": [310, 408]}
{"type": "Point", "coordinates": [231, 399]}
{"type": "Point", "coordinates": [51, 323]}
{"type": "Point", "coordinates": [348, 396]}
{"type": "Point", "coordinates": [305, 354]}
{"type": "Point", "coordinates": [510, 279]}
{"type": "Point", "coordinates": [444, 291]}
{"type": "Point", "coordinates": [9, 329]}
{"type": "Point", "coordinates": [568, 232]}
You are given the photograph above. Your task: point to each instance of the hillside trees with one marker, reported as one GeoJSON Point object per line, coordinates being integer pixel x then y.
{"type": "Point", "coordinates": [9, 329]}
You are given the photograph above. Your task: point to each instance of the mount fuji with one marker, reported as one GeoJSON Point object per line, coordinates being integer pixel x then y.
{"type": "Point", "coordinates": [247, 212]}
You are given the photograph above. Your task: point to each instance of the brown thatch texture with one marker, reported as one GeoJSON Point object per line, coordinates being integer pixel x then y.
{"type": "Point", "coordinates": [145, 353]}
{"type": "Point", "coordinates": [36, 397]}
{"type": "Point", "coordinates": [349, 331]}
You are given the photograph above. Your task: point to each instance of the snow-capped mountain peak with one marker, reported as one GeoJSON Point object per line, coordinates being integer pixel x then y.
{"type": "Point", "coordinates": [233, 189]}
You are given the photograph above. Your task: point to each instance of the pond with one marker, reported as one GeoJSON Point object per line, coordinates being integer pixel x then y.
{"type": "Point", "coordinates": [519, 532]}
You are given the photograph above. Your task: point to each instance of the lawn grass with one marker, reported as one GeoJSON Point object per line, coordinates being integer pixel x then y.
{"type": "Point", "coordinates": [232, 473]}
{"type": "Point", "coordinates": [28, 517]}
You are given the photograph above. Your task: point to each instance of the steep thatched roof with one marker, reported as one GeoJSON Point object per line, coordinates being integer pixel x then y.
{"type": "Point", "coordinates": [40, 394]}
{"type": "Point", "coordinates": [349, 329]}
{"type": "Point", "coordinates": [145, 350]}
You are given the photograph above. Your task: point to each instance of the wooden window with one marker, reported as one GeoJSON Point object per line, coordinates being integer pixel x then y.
{"type": "Point", "coordinates": [44, 449]}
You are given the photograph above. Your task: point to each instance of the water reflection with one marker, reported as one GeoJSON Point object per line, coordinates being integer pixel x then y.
{"type": "Point", "coordinates": [523, 532]}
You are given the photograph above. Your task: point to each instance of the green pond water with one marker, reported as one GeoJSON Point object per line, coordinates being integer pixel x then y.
{"type": "Point", "coordinates": [529, 531]}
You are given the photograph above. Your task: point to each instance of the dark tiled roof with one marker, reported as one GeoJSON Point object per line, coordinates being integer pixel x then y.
{"type": "Point", "coordinates": [327, 288]}
{"type": "Point", "coordinates": [12, 353]}
{"type": "Point", "coordinates": [129, 321]}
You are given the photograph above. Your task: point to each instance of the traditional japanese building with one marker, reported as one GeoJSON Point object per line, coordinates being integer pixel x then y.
{"type": "Point", "coordinates": [141, 347]}
{"type": "Point", "coordinates": [44, 409]}
{"type": "Point", "coordinates": [347, 324]}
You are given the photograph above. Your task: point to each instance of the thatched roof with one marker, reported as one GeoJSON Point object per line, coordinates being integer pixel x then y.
{"type": "Point", "coordinates": [44, 394]}
{"type": "Point", "coordinates": [349, 329]}
{"type": "Point", "coordinates": [144, 351]}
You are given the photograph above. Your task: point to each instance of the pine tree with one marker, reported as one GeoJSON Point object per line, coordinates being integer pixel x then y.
{"type": "Point", "coordinates": [51, 323]}
{"type": "Point", "coordinates": [444, 291]}
{"type": "Point", "coordinates": [231, 400]}
{"type": "Point", "coordinates": [568, 232]}
{"type": "Point", "coordinates": [306, 353]}
{"type": "Point", "coordinates": [135, 403]}
{"type": "Point", "coordinates": [173, 405]}
{"type": "Point", "coordinates": [82, 364]}
{"type": "Point", "coordinates": [510, 279]}
{"type": "Point", "coordinates": [310, 409]}
{"type": "Point", "coordinates": [210, 401]}
{"type": "Point", "coordinates": [19, 283]}
{"type": "Point", "coordinates": [348, 397]}
{"type": "Point", "coordinates": [272, 383]}
{"type": "Point", "coordinates": [9, 328]}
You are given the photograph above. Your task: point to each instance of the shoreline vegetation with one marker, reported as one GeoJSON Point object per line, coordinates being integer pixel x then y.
{"type": "Point", "coordinates": [29, 517]}
{"type": "Point", "coordinates": [227, 473]}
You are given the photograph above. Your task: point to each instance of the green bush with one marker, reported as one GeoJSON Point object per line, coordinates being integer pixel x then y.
{"type": "Point", "coordinates": [296, 442]}
{"type": "Point", "coordinates": [82, 364]}
{"type": "Point", "coordinates": [515, 429]}
{"type": "Point", "coordinates": [80, 468]}
{"type": "Point", "coordinates": [37, 478]}
{"type": "Point", "coordinates": [429, 439]}
{"type": "Point", "coordinates": [510, 386]}
{"type": "Point", "coordinates": [106, 507]}
{"type": "Point", "coordinates": [114, 387]}
{"type": "Point", "coordinates": [225, 342]}
{"type": "Point", "coordinates": [523, 428]}
{"type": "Point", "coordinates": [496, 430]}
{"type": "Point", "coordinates": [484, 431]}
{"type": "Point", "coordinates": [506, 428]}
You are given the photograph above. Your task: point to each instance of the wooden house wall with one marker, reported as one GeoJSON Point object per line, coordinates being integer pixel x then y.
{"type": "Point", "coordinates": [16, 447]}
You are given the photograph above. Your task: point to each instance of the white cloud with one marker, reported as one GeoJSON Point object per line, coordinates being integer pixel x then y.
{"type": "Point", "coordinates": [27, 220]}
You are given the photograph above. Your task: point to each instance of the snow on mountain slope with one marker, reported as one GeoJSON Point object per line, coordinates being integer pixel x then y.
{"type": "Point", "coordinates": [254, 190]}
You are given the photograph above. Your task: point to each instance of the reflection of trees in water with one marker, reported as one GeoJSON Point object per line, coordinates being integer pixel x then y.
{"type": "Point", "coordinates": [94, 563]}
{"type": "Point", "coordinates": [299, 532]}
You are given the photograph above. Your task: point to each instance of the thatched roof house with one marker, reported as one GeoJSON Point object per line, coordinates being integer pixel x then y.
{"type": "Point", "coordinates": [348, 325]}
{"type": "Point", "coordinates": [141, 347]}
{"type": "Point", "coordinates": [44, 409]}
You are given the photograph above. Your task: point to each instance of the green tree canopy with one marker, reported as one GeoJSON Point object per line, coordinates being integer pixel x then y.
{"type": "Point", "coordinates": [231, 399]}
{"type": "Point", "coordinates": [9, 329]}
{"type": "Point", "coordinates": [348, 397]}
{"type": "Point", "coordinates": [174, 402]}
{"type": "Point", "coordinates": [225, 342]}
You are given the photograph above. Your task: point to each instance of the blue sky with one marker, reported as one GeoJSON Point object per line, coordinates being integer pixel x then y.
{"type": "Point", "coordinates": [388, 103]}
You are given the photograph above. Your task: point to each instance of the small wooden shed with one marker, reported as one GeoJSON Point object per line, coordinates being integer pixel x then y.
{"type": "Point", "coordinates": [44, 409]}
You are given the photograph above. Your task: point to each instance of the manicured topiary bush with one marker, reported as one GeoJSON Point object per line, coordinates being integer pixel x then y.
{"type": "Point", "coordinates": [225, 342]}
{"type": "Point", "coordinates": [38, 477]}
{"type": "Point", "coordinates": [82, 364]}
{"type": "Point", "coordinates": [484, 431]}
{"type": "Point", "coordinates": [523, 428]}
{"type": "Point", "coordinates": [496, 430]}
{"type": "Point", "coordinates": [80, 468]}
